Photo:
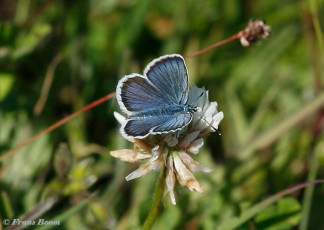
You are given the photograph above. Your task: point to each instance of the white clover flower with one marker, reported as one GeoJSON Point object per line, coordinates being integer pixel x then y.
{"type": "Point", "coordinates": [171, 150]}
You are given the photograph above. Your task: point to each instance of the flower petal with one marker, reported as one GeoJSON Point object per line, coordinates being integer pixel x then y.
{"type": "Point", "coordinates": [188, 139]}
{"type": "Point", "coordinates": [170, 180]}
{"type": "Point", "coordinates": [129, 155]}
{"type": "Point", "coordinates": [211, 109]}
{"type": "Point", "coordinates": [191, 164]}
{"type": "Point", "coordinates": [157, 165]}
{"type": "Point", "coordinates": [156, 150]}
{"type": "Point", "coordinates": [194, 95]}
{"type": "Point", "coordinates": [141, 171]}
{"type": "Point", "coordinates": [142, 146]}
{"type": "Point", "coordinates": [217, 119]}
{"type": "Point", "coordinates": [185, 177]}
{"type": "Point", "coordinates": [154, 164]}
{"type": "Point", "coordinates": [195, 146]}
{"type": "Point", "coordinates": [171, 140]}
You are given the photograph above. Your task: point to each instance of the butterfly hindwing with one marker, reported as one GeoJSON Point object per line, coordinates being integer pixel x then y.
{"type": "Point", "coordinates": [174, 123]}
{"type": "Point", "coordinates": [140, 128]}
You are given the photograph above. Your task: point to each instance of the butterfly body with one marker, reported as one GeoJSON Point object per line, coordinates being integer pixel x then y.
{"type": "Point", "coordinates": [155, 102]}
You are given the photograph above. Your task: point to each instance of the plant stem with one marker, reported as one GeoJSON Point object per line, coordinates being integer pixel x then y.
{"type": "Point", "coordinates": [57, 124]}
{"type": "Point", "coordinates": [313, 7]}
{"type": "Point", "coordinates": [157, 198]}
{"type": "Point", "coordinates": [307, 199]}
{"type": "Point", "coordinates": [233, 37]}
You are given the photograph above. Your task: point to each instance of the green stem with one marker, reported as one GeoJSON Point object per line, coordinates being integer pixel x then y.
{"type": "Point", "coordinates": [313, 5]}
{"type": "Point", "coordinates": [155, 207]}
{"type": "Point", "coordinates": [307, 200]}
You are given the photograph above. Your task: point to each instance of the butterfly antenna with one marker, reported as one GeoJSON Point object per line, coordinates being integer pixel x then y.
{"type": "Point", "coordinates": [210, 125]}
{"type": "Point", "coordinates": [202, 93]}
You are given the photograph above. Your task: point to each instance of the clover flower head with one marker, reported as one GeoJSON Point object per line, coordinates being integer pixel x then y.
{"type": "Point", "coordinates": [172, 150]}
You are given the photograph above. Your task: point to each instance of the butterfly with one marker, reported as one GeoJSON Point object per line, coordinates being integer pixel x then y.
{"type": "Point", "coordinates": [155, 102]}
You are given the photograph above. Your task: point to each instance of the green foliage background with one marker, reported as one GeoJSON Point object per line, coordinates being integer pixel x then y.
{"type": "Point", "coordinates": [57, 56]}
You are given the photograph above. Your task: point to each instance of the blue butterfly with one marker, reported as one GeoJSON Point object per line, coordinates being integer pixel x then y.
{"type": "Point", "coordinates": [156, 102]}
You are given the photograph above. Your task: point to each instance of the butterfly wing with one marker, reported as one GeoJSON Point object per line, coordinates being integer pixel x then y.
{"type": "Point", "coordinates": [135, 93]}
{"type": "Point", "coordinates": [141, 128]}
{"type": "Point", "coordinates": [169, 74]}
{"type": "Point", "coordinates": [174, 123]}
{"type": "Point", "coordinates": [165, 83]}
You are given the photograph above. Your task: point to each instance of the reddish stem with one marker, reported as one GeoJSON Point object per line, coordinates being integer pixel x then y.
{"type": "Point", "coordinates": [59, 123]}
{"type": "Point", "coordinates": [233, 37]}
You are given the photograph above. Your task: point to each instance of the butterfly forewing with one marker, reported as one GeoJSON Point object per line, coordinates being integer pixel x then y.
{"type": "Point", "coordinates": [169, 74]}
{"type": "Point", "coordinates": [137, 94]}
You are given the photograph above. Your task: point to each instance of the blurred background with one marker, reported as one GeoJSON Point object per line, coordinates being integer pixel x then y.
{"type": "Point", "coordinates": [57, 56]}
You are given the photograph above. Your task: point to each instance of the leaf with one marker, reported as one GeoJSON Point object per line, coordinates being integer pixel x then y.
{"type": "Point", "coordinates": [284, 215]}
{"type": "Point", "coordinates": [37, 211]}
{"type": "Point", "coordinates": [235, 222]}
{"type": "Point", "coordinates": [65, 215]}
{"type": "Point", "coordinates": [26, 43]}
{"type": "Point", "coordinates": [62, 160]}
{"type": "Point", "coordinates": [6, 208]}
{"type": "Point", "coordinates": [6, 82]}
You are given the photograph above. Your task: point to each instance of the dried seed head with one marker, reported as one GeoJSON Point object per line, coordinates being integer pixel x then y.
{"type": "Point", "coordinates": [253, 31]}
